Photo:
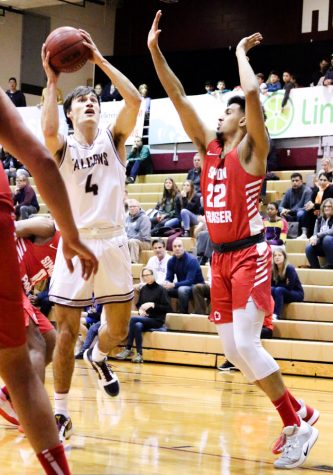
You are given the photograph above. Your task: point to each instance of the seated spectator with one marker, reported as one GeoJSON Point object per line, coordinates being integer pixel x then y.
{"type": "Point", "coordinates": [286, 286]}
{"type": "Point", "coordinates": [187, 270]}
{"type": "Point", "coordinates": [276, 228]}
{"type": "Point", "coordinates": [209, 87]}
{"type": "Point", "coordinates": [328, 79]}
{"type": "Point", "coordinates": [320, 73]}
{"type": "Point", "coordinates": [60, 99]}
{"type": "Point", "coordinates": [159, 261]}
{"type": "Point", "coordinates": [143, 90]}
{"type": "Point", "coordinates": [289, 84]}
{"type": "Point", "coordinates": [326, 167]}
{"type": "Point", "coordinates": [262, 85]}
{"type": "Point", "coordinates": [98, 90]}
{"type": "Point", "coordinates": [153, 305]}
{"type": "Point", "coordinates": [320, 193]}
{"type": "Point", "coordinates": [273, 82]}
{"type": "Point", "coordinates": [266, 334]}
{"type": "Point", "coordinates": [137, 226]}
{"type": "Point", "coordinates": [292, 204]}
{"type": "Point", "coordinates": [195, 173]}
{"type": "Point", "coordinates": [138, 161]}
{"type": "Point", "coordinates": [321, 243]}
{"type": "Point", "coordinates": [25, 199]}
{"type": "Point", "coordinates": [110, 93]}
{"type": "Point", "coordinates": [10, 165]}
{"type": "Point", "coordinates": [204, 249]}
{"type": "Point", "coordinates": [201, 296]}
{"type": "Point", "coordinates": [187, 205]}
{"type": "Point", "coordinates": [17, 97]}
{"type": "Point", "coordinates": [220, 89]}
{"type": "Point", "coordinates": [166, 206]}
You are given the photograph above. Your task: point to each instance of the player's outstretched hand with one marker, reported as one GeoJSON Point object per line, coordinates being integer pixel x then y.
{"type": "Point", "coordinates": [51, 74]}
{"type": "Point", "coordinates": [95, 54]}
{"type": "Point", "coordinates": [75, 247]}
{"type": "Point", "coordinates": [249, 42]}
{"type": "Point", "coordinates": [154, 32]}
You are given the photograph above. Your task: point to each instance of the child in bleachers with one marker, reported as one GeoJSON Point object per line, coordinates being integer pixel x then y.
{"type": "Point", "coordinates": [276, 228]}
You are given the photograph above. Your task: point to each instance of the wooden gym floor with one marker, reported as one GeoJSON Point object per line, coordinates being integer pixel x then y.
{"type": "Point", "coordinates": [174, 419]}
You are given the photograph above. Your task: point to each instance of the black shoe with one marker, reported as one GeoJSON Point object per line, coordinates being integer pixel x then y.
{"type": "Point", "coordinates": [328, 266]}
{"type": "Point", "coordinates": [186, 234]}
{"type": "Point", "coordinates": [130, 180]}
{"type": "Point", "coordinates": [226, 366]}
{"type": "Point", "coordinates": [79, 356]}
{"type": "Point", "coordinates": [65, 427]}
{"type": "Point", "coordinates": [108, 380]}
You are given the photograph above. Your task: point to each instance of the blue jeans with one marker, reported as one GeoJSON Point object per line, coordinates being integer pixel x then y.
{"type": "Point", "coordinates": [324, 248]}
{"type": "Point", "coordinates": [281, 295]}
{"type": "Point", "coordinates": [172, 223]}
{"type": "Point", "coordinates": [183, 294]}
{"type": "Point", "coordinates": [188, 218]}
{"type": "Point", "coordinates": [91, 335]}
{"type": "Point", "coordinates": [138, 325]}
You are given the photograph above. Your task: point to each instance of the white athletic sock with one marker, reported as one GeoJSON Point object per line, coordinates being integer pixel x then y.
{"type": "Point", "coordinates": [97, 354]}
{"type": "Point", "coordinates": [61, 404]}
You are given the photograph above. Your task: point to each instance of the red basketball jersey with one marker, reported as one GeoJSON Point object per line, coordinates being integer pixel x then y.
{"type": "Point", "coordinates": [36, 261]}
{"type": "Point", "coordinates": [231, 196]}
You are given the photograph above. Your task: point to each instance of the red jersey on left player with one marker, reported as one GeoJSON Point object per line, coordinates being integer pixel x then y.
{"type": "Point", "coordinates": [36, 261]}
{"type": "Point", "coordinates": [231, 196]}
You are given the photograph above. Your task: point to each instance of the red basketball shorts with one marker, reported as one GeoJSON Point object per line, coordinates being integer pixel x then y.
{"type": "Point", "coordinates": [33, 313]}
{"type": "Point", "coordinates": [12, 329]}
{"type": "Point", "coordinates": [237, 276]}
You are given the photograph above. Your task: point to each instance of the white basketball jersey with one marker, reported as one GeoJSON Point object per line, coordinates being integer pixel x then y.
{"type": "Point", "coordinates": [95, 180]}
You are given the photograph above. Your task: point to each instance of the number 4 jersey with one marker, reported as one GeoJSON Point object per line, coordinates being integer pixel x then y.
{"type": "Point", "coordinates": [231, 196]}
{"type": "Point", "coordinates": [95, 180]}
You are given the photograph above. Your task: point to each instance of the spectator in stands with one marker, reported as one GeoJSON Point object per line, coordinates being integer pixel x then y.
{"type": "Point", "coordinates": [201, 295]}
{"type": "Point", "coordinates": [286, 286]}
{"type": "Point", "coordinates": [187, 270]}
{"type": "Point", "coordinates": [158, 262]}
{"type": "Point", "coordinates": [98, 90]}
{"type": "Point", "coordinates": [276, 228]}
{"type": "Point", "coordinates": [266, 334]}
{"type": "Point", "coordinates": [17, 97]}
{"type": "Point", "coordinates": [273, 82]}
{"type": "Point", "coordinates": [204, 247]}
{"type": "Point", "coordinates": [143, 90]}
{"type": "Point", "coordinates": [320, 74]}
{"type": "Point", "coordinates": [289, 84]}
{"type": "Point", "coordinates": [292, 204]}
{"type": "Point", "coordinates": [137, 225]}
{"type": "Point", "coordinates": [210, 87]}
{"type": "Point", "coordinates": [25, 199]}
{"type": "Point", "coordinates": [262, 85]}
{"type": "Point", "coordinates": [321, 191]}
{"type": "Point", "coordinates": [187, 206]}
{"type": "Point", "coordinates": [138, 161]}
{"type": "Point", "coordinates": [110, 93]}
{"type": "Point", "coordinates": [153, 305]}
{"type": "Point", "coordinates": [221, 89]}
{"type": "Point", "coordinates": [60, 99]}
{"type": "Point", "coordinates": [326, 167]}
{"type": "Point", "coordinates": [321, 243]}
{"type": "Point", "coordinates": [166, 206]}
{"type": "Point", "coordinates": [195, 173]}
{"type": "Point", "coordinates": [10, 165]}
{"type": "Point", "coordinates": [328, 79]}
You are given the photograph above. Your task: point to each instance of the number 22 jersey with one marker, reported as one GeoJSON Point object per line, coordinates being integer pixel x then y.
{"type": "Point", "coordinates": [95, 180]}
{"type": "Point", "coordinates": [231, 196]}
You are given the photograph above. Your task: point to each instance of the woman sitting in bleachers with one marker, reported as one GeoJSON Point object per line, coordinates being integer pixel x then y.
{"type": "Point", "coordinates": [187, 205]}
{"type": "Point", "coordinates": [321, 243]}
{"type": "Point", "coordinates": [286, 286]}
{"type": "Point", "coordinates": [165, 208]}
{"type": "Point", "coordinates": [276, 228]}
{"type": "Point", "coordinates": [321, 191]}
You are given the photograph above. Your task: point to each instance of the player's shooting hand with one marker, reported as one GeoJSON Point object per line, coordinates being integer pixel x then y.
{"type": "Point", "coordinates": [249, 42]}
{"type": "Point", "coordinates": [154, 32]}
{"type": "Point", "coordinates": [95, 54]}
{"type": "Point", "coordinates": [88, 261]}
{"type": "Point", "coordinates": [51, 74]}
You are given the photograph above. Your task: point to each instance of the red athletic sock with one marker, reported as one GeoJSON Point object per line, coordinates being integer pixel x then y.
{"type": "Point", "coordinates": [54, 461]}
{"type": "Point", "coordinates": [5, 391]}
{"type": "Point", "coordinates": [296, 405]}
{"type": "Point", "coordinates": [286, 411]}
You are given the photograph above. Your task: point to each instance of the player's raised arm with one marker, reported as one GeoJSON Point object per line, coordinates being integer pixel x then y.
{"type": "Point", "coordinates": [257, 138]}
{"type": "Point", "coordinates": [50, 117]}
{"type": "Point", "coordinates": [126, 118]}
{"type": "Point", "coordinates": [193, 125]}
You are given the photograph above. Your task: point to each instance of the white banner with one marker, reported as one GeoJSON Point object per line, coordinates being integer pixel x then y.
{"type": "Point", "coordinates": [308, 113]}
{"type": "Point", "coordinates": [109, 110]}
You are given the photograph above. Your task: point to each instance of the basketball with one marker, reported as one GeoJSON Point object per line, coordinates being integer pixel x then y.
{"type": "Point", "coordinates": [67, 51]}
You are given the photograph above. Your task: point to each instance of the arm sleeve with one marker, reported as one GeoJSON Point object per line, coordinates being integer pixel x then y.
{"type": "Point", "coordinates": [144, 153]}
{"type": "Point", "coordinates": [192, 267]}
{"type": "Point", "coordinates": [170, 271]}
{"type": "Point", "coordinates": [285, 203]}
{"type": "Point", "coordinates": [145, 228]}
{"type": "Point", "coordinates": [194, 205]}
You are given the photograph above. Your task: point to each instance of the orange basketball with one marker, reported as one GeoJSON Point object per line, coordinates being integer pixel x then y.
{"type": "Point", "coordinates": [67, 51]}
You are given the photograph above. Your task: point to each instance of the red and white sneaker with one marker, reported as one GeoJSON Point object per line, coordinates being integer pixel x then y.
{"type": "Point", "coordinates": [307, 414]}
{"type": "Point", "coordinates": [7, 410]}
